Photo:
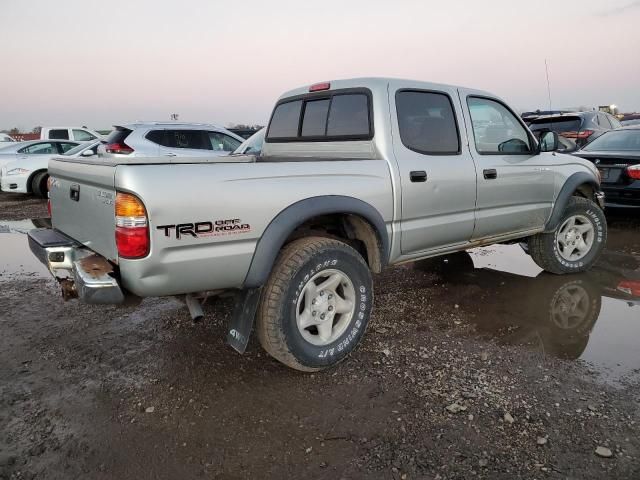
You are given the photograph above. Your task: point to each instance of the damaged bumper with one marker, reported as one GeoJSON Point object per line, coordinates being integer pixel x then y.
{"type": "Point", "coordinates": [81, 272]}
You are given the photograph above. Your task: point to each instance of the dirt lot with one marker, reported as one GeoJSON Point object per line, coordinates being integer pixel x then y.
{"type": "Point", "coordinates": [496, 371]}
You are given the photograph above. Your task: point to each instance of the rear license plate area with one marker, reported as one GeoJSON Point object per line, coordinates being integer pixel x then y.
{"type": "Point", "coordinates": [604, 173]}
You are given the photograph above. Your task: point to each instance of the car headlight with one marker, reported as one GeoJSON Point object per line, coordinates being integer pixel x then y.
{"type": "Point", "coordinates": [17, 171]}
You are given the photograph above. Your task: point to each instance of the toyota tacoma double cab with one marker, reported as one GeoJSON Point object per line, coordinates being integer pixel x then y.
{"type": "Point", "coordinates": [353, 175]}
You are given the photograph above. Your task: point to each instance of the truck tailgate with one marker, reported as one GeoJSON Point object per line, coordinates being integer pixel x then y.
{"type": "Point", "coordinates": [82, 201]}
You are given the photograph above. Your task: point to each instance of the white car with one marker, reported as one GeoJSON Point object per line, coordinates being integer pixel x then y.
{"type": "Point", "coordinates": [5, 140]}
{"type": "Point", "coordinates": [77, 134]}
{"type": "Point", "coordinates": [252, 145]}
{"type": "Point", "coordinates": [24, 168]}
{"type": "Point", "coordinates": [169, 139]}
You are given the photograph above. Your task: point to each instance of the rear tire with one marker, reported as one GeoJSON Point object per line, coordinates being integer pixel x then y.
{"type": "Point", "coordinates": [316, 305]}
{"type": "Point", "coordinates": [39, 184]}
{"type": "Point", "coordinates": [576, 243]}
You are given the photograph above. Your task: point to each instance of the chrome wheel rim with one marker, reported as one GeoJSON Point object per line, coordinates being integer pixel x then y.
{"type": "Point", "coordinates": [575, 237]}
{"type": "Point", "coordinates": [325, 307]}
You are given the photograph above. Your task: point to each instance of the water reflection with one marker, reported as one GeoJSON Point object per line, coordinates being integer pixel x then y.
{"type": "Point", "coordinates": [594, 316]}
{"type": "Point", "coordinates": [16, 258]}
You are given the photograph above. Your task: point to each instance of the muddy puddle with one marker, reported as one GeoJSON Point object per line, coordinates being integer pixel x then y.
{"type": "Point", "coordinates": [504, 295]}
{"type": "Point", "coordinates": [16, 258]}
{"type": "Point", "coordinates": [593, 316]}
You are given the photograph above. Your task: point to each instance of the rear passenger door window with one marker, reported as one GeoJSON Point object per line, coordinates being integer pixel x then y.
{"type": "Point", "coordinates": [495, 129]}
{"type": "Point", "coordinates": [39, 149]}
{"type": "Point", "coordinates": [187, 139]}
{"type": "Point", "coordinates": [427, 122]}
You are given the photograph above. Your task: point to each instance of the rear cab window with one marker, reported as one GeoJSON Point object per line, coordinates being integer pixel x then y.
{"type": "Point", "coordinates": [333, 115]}
{"type": "Point", "coordinates": [59, 134]}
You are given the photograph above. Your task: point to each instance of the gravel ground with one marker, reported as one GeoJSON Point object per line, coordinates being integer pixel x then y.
{"type": "Point", "coordinates": [142, 392]}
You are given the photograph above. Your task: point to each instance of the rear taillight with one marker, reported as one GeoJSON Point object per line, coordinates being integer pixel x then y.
{"type": "Point", "coordinates": [132, 227]}
{"type": "Point", "coordinates": [582, 134]}
{"type": "Point", "coordinates": [634, 172]}
{"type": "Point", "coordinates": [118, 147]}
{"type": "Point", "coordinates": [630, 287]}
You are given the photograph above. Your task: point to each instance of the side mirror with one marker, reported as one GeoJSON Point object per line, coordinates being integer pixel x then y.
{"type": "Point", "coordinates": [87, 153]}
{"type": "Point", "coordinates": [549, 142]}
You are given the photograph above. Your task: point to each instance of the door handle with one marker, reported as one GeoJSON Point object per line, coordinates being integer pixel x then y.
{"type": "Point", "coordinates": [169, 155]}
{"type": "Point", "coordinates": [490, 173]}
{"type": "Point", "coordinates": [418, 176]}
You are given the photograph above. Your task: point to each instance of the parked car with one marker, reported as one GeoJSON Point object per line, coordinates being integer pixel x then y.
{"type": "Point", "coordinates": [5, 140]}
{"type": "Point", "coordinates": [78, 134]}
{"type": "Point", "coordinates": [617, 156]}
{"type": "Point", "coordinates": [581, 127]}
{"type": "Point", "coordinates": [297, 231]}
{"type": "Point", "coordinates": [628, 123]}
{"type": "Point", "coordinates": [24, 150]}
{"type": "Point", "coordinates": [156, 139]}
{"type": "Point", "coordinates": [30, 175]}
{"type": "Point", "coordinates": [252, 145]}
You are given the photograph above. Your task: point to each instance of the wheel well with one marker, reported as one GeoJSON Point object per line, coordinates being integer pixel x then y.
{"type": "Point", "coordinates": [31, 177]}
{"type": "Point", "coordinates": [585, 190]}
{"type": "Point", "coordinates": [351, 229]}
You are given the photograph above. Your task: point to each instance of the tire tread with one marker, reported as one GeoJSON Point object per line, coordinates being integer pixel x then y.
{"type": "Point", "coordinates": [269, 327]}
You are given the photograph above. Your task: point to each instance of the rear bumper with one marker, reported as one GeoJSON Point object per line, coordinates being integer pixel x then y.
{"type": "Point", "coordinates": [624, 196]}
{"type": "Point", "coordinates": [81, 272]}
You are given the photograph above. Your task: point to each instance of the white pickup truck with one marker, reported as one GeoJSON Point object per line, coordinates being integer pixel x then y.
{"type": "Point", "coordinates": [79, 134]}
{"type": "Point", "coordinates": [353, 175]}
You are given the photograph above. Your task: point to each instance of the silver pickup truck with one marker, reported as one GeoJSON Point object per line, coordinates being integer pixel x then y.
{"type": "Point", "coordinates": [353, 175]}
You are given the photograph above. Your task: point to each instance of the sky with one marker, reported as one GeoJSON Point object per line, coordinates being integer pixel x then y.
{"type": "Point", "coordinates": [104, 62]}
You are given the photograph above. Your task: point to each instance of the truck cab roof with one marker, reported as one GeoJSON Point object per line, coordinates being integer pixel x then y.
{"type": "Point", "coordinates": [378, 83]}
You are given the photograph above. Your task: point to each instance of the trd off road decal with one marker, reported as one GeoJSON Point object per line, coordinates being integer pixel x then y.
{"type": "Point", "coordinates": [217, 228]}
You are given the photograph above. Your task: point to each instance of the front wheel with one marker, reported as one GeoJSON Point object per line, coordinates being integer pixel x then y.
{"type": "Point", "coordinates": [39, 184]}
{"type": "Point", "coordinates": [315, 307]}
{"type": "Point", "coordinates": [576, 243]}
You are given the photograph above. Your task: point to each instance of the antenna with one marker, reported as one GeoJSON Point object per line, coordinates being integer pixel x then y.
{"type": "Point", "coordinates": [546, 67]}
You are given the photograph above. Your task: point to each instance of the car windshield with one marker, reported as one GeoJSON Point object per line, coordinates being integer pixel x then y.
{"type": "Point", "coordinates": [251, 145]}
{"type": "Point", "coordinates": [616, 141]}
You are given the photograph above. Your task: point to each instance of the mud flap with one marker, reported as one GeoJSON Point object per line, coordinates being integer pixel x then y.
{"type": "Point", "coordinates": [244, 313]}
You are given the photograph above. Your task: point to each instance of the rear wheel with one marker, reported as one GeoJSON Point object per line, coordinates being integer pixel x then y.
{"type": "Point", "coordinates": [576, 243]}
{"type": "Point", "coordinates": [39, 184]}
{"type": "Point", "coordinates": [316, 304]}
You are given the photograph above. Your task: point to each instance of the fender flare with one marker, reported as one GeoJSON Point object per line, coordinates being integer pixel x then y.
{"type": "Point", "coordinates": [570, 186]}
{"type": "Point", "coordinates": [296, 214]}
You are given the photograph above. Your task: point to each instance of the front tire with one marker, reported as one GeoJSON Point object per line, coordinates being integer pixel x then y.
{"type": "Point", "coordinates": [316, 305]}
{"type": "Point", "coordinates": [39, 184]}
{"type": "Point", "coordinates": [576, 243]}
